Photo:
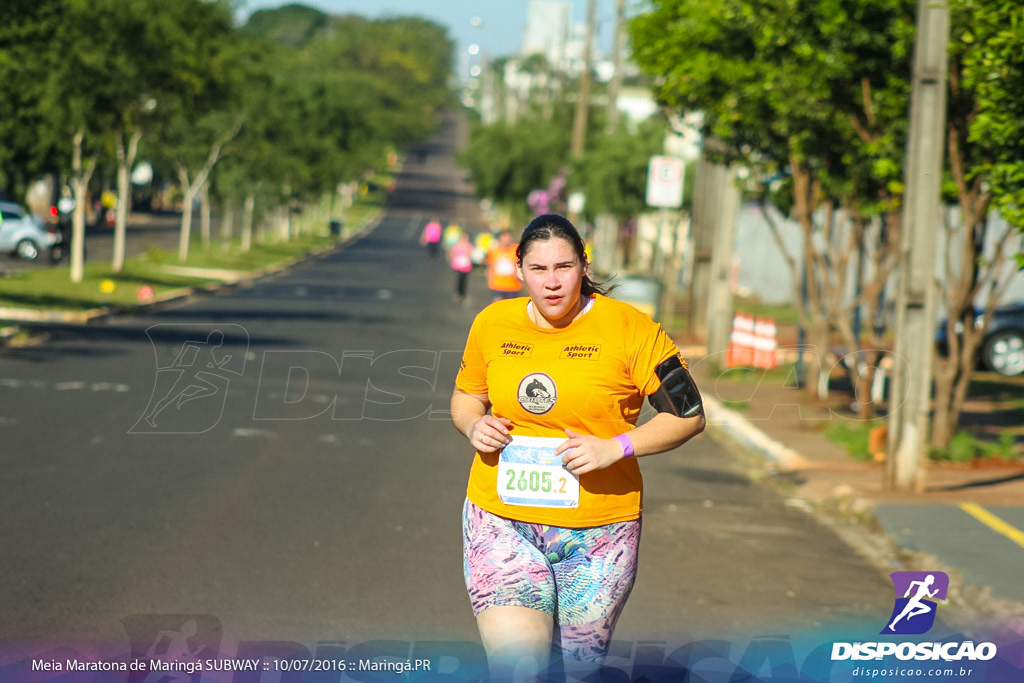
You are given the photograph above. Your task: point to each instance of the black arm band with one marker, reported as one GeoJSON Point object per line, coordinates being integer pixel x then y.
{"type": "Point", "coordinates": [678, 393]}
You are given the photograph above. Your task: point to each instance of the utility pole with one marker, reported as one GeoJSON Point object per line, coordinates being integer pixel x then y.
{"type": "Point", "coordinates": [909, 417]}
{"type": "Point", "coordinates": [619, 35]}
{"type": "Point", "coordinates": [579, 126]}
{"type": "Point", "coordinates": [702, 241]}
{"type": "Point", "coordinates": [719, 310]}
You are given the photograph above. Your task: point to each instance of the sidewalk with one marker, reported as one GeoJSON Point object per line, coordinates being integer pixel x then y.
{"type": "Point", "coordinates": [782, 431]}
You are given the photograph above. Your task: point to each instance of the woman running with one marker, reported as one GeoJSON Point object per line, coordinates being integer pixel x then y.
{"type": "Point", "coordinates": [548, 394]}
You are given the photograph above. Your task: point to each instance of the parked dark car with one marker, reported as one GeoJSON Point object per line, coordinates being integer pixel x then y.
{"type": "Point", "coordinates": [1002, 349]}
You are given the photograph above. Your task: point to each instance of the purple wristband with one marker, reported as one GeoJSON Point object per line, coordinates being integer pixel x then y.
{"type": "Point", "coordinates": [627, 445]}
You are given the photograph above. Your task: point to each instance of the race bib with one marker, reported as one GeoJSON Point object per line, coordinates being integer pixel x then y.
{"type": "Point", "coordinates": [505, 267]}
{"type": "Point", "coordinates": [529, 473]}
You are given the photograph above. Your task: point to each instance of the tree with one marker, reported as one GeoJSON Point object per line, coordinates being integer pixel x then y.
{"type": "Point", "coordinates": [199, 121]}
{"type": "Point", "coordinates": [993, 67]}
{"type": "Point", "coordinates": [155, 69]}
{"type": "Point", "coordinates": [508, 160]}
{"type": "Point", "coordinates": [256, 162]}
{"type": "Point", "coordinates": [613, 171]}
{"type": "Point", "coordinates": [985, 150]}
{"type": "Point", "coordinates": [810, 96]}
{"type": "Point", "coordinates": [27, 48]}
{"type": "Point", "coordinates": [93, 81]}
{"type": "Point", "coordinates": [334, 101]}
{"type": "Point", "coordinates": [816, 94]}
{"type": "Point", "coordinates": [83, 90]}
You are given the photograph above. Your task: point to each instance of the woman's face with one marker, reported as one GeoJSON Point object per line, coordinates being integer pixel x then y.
{"type": "Point", "coordinates": [553, 275]}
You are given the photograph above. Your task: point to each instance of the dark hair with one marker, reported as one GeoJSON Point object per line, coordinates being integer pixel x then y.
{"type": "Point", "coordinates": [549, 225]}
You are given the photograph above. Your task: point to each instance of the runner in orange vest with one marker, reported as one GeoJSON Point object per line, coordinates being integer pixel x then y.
{"type": "Point", "coordinates": [502, 279]}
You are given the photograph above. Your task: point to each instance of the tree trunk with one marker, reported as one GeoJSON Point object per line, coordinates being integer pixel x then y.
{"type": "Point", "coordinates": [283, 234]}
{"type": "Point", "coordinates": [205, 219]}
{"type": "Point", "coordinates": [248, 209]}
{"type": "Point", "coordinates": [953, 380]}
{"type": "Point", "coordinates": [806, 195]}
{"type": "Point", "coordinates": [125, 160]}
{"type": "Point", "coordinates": [227, 227]}
{"type": "Point", "coordinates": [82, 170]}
{"type": "Point", "coordinates": [943, 419]}
{"type": "Point", "coordinates": [817, 364]}
{"type": "Point", "coordinates": [192, 189]}
{"type": "Point", "coordinates": [186, 223]}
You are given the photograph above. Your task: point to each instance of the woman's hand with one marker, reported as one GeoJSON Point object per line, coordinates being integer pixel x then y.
{"type": "Point", "coordinates": [589, 453]}
{"type": "Point", "coordinates": [490, 434]}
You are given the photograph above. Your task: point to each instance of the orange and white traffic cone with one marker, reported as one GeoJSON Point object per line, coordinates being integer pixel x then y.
{"type": "Point", "coordinates": [765, 343]}
{"type": "Point", "coordinates": [772, 343]}
{"type": "Point", "coordinates": [749, 340]}
{"type": "Point", "coordinates": [741, 341]}
{"type": "Point", "coordinates": [730, 356]}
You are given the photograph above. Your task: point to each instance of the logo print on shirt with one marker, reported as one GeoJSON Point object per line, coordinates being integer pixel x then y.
{"type": "Point", "coordinates": [581, 351]}
{"type": "Point", "coordinates": [516, 349]}
{"type": "Point", "coordinates": [537, 393]}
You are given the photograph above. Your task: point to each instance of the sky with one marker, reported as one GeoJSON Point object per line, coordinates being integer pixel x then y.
{"type": "Point", "coordinates": [499, 30]}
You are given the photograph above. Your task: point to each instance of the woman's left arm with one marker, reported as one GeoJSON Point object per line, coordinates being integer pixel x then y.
{"type": "Point", "coordinates": [663, 432]}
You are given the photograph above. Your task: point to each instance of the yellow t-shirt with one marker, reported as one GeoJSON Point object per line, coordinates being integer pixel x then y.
{"type": "Point", "coordinates": [594, 374]}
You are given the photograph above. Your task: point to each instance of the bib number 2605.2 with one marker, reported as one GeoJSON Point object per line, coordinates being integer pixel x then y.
{"type": "Point", "coordinates": [529, 473]}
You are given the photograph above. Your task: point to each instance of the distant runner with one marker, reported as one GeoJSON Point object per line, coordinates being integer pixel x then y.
{"type": "Point", "coordinates": [502, 278]}
{"type": "Point", "coordinates": [431, 238]}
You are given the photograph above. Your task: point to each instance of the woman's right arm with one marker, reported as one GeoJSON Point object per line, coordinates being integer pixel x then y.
{"type": "Point", "coordinates": [486, 433]}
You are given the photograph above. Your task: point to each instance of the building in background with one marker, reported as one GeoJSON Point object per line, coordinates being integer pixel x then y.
{"type": "Point", "coordinates": [552, 56]}
{"type": "Point", "coordinates": [547, 30]}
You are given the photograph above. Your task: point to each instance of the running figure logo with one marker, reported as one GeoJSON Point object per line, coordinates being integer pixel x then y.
{"type": "Point", "coordinates": [191, 387]}
{"type": "Point", "coordinates": [914, 612]}
{"type": "Point", "coordinates": [178, 643]}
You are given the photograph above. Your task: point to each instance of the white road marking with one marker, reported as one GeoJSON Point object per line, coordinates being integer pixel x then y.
{"type": "Point", "coordinates": [251, 433]}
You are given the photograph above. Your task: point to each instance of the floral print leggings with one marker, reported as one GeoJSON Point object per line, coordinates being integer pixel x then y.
{"type": "Point", "coordinates": [581, 577]}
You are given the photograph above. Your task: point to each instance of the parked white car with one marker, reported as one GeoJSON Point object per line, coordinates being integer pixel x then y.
{"type": "Point", "coordinates": [22, 234]}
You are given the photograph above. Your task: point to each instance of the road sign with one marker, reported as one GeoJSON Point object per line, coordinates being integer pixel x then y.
{"type": "Point", "coordinates": [665, 182]}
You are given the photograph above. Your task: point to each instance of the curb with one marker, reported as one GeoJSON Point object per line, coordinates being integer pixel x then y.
{"type": "Point", "coordinates": [224, 279]}
{"type": "Point", "coordinates": [735, 427]}
{"type": "Point", "coordinates": [845, 513]}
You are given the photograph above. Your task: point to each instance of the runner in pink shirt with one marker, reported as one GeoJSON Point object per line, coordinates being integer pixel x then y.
{"type": "Point", "coordinates": [461, 258]}
{"type": "Point", "coordinates": [431, 238]}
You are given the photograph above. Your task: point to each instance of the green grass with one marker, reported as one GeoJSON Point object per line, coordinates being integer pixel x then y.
{"type": "Point", "coordinates": [736, 405]}
{"type": "Point", "coordinates": [262, 255]}
{"type": "Point", "coordinates": [51, 289]}
{"type": "Point", "coordinates": [963, 448]}
{"type": "Point", "coordinates": [853, 437]}
{"type": "Point", "coordinates": [782, 314]}
{"type": "Point", "coordinates": [783, 375]}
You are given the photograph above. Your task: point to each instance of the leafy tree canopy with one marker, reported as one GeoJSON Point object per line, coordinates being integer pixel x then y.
{"type": "Point", "coordinates": [823, 84]}
{"type": "Point", "coordinates": [989, 37]}
{"type": "Point", "coordinates": [290, 25]}
{"type": "Point", "coordinates": [612, 173]}
{"type": "Point", "coordinates": [508, 160]}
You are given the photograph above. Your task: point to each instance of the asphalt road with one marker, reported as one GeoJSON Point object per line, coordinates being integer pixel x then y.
{"type": "Point", "coordinates": [302, 484]}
